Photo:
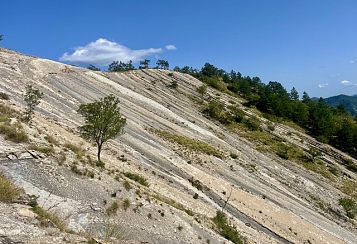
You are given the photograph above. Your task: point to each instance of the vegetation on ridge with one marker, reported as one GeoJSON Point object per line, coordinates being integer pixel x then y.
{"type": "Point", "coordinates": [327, 124]}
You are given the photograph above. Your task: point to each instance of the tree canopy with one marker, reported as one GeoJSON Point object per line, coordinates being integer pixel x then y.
{"type": "Point", "coordinates": [103, 121]}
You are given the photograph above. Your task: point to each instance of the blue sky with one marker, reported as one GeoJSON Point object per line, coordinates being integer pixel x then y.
{"type": "Point", "coordinates": [309, 44]}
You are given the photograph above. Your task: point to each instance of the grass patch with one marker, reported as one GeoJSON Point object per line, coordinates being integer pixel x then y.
{"type": "Point", "coordinates": [174, 204]}
{"type": "Point", "coordinates": [43, 149]}
{"type": "Point", "coordinates": [189, 143]}
{"type": "Point", "coordinates": [51, 140]}
{"type": "Point", "coordinates": [349, 187]}
{"type": "Point", "coordinates": [112, 209]}
{"type": "Point", "coordinates": [75, 149]}
{"type": "Point", "coordinates": [48, 219]}
{"type": "Point", "coordinates": [8, 111]}
{"type": "Point", "coordinates": [226, 230]}
{"type": "Point", "coordinates": [8, 191]}
{"type": "Point", "coordinates": [350, 165]}
{"type": "Point", "coordinates": [350, 206]}
{"type": "Point", "coordinates": [113, 231]}
{"type": "Point", "coordinates": [127, 185]}
{"type": "Point", "coordinates": [13, 132]}
{"type": "Point", "coordinates": [4, 118]}
{"type": "Point", "coordinates": [126, 203]}
{"type": "Point", "coordinates": [135, 177]}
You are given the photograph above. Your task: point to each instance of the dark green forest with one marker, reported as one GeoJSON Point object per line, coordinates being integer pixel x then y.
{"type": "Point", "coordinates": [327, 124]}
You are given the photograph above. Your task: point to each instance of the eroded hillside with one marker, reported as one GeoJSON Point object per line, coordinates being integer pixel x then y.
{"type": "Point", "coordinates": [158, 185]}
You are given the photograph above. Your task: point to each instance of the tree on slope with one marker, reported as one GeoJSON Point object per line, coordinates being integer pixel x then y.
{"type": "Point", "coordinates": [32, 98]}
{"type": "Point", "coordinates": [103, 121]}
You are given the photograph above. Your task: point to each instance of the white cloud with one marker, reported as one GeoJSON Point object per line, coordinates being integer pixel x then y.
{"type": "Point", "coordinates": [348, 83]}
{"type": "Point", "coordinates": [103, 52]}
{"type": "Point", "coordinates": [322, 85]}
{"type": "Point", "coordinates": [170, 47]}
{"type": "Point", "coordinates": [345, 82]}
{"type": "Point", "coordinates": [352, 61]}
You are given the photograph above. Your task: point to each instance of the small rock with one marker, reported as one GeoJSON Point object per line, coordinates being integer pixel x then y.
{"type": "Point", "coordinates": [24, 155]}
{"type": "Point", "coordinates": [95, 207]}
{"type": "Point", "coordinates": [27, 213]}
{"type": "Point", "coordinates": [11, 157]}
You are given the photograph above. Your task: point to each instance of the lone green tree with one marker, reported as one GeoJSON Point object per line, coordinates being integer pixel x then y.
{"type": "Point", "coordinates": [32, 98]}
{"type": "Point", "coordinates": [103, 121]}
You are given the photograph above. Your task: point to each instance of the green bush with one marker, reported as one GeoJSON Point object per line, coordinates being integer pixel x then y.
{"type": "Point", "coordinates": [173, 84]}
{"type": "Point", "coordinates": [202, 90]}
{"type": "Point", "coordinates": [127, 185]}
{"type": "Point", "coordinates": [349, 205]}
{"type": "Point", "coordinates": [126, 203]}
{"type": "Point", "coordinates": [350, 165]}
{"type": "Point", "coordinates": [214, 109]}
{"type": "Point", "coordinates": [227, 231]}
{"type": "Point", "coordinates": [135, 177]}
{"type": "Point", "coordinates": [112, 209]}
{"type": "Point", "coordinates": [252, 124]}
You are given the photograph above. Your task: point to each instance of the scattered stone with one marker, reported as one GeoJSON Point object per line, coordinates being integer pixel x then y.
{"type": "Point", "coordinates": [24, 155]}
{"type": "Point", "coordinates": [95, 207]}
{"type": "Point", "coordinates": [27, 213]}
{"type": "Point", "coordinates": [11, 157]}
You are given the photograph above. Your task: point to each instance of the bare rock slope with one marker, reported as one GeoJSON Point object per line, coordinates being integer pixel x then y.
{"type": "Point", "coordinates": [267, 198]}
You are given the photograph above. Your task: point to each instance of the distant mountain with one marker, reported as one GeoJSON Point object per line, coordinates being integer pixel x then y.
{"type": "Point", "coordinates": [348, 102]}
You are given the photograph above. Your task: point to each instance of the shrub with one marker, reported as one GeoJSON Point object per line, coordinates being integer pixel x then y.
{"type": "Point", "coordinates": [51, 140]}
{"type": "Point", "coordinates": [61, 158]}
{"type": "Point", "coordinates": [126, 203]}
{"type": "Point", "coordinates": [350, 165]}
{"type": "Point", "coordinates": [4, 96]}
{"type": "Point", "coordinates": [252, 124]}
{"type": "Point", "coordinates": [8, 191]}
{"type": "Point", "coordinates": [135, 177]}
{"type": "Point", "coordinates": [173, 84]}
{"type": "Point", "coordinates": [75, 170]}
{"type": "Point", "coordinates": [233, 155]}
{"type": "Point", "coordinates": [350, 206]}
{"type": "Point", "coordinates": [202, 90]}
{"type": "Point", "coordinates": [227, 231]}
{"type": "Point", "coordinates": [127, 185]}
{"type": "Point", "coordinates": [196, 183]}
{"type": "Point", "coordinates": [214, 109]}
{"type": "Point", "coordinates": [112, 209]}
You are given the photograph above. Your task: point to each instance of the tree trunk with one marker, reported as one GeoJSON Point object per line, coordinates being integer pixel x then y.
{"type": "Point", "coordinates": [99, 150]}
